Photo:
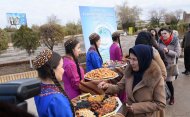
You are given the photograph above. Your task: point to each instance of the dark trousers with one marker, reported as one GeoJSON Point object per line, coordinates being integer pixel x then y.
{"type": "Point", "coordinates": [171, 88]}
{"type": "Point", "coordinates": [187, 58]}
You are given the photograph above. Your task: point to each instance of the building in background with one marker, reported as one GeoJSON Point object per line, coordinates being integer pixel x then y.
{"type": "Point", "coordinates": [186, 17]}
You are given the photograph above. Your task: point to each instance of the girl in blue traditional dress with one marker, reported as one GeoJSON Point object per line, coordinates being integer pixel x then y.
{"type": "Point", "coordinates": [93, 57]}
{"type": "Point", "coordinates": [52, 101]}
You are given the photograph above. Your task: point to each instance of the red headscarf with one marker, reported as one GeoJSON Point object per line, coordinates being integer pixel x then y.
{"type": "Point", "coordinates": [167, 41]}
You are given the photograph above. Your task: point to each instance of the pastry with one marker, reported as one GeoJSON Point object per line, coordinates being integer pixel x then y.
{"type": "Point", "coordinates": [84, 113]}
{"type": "Point", "coordinates": [100, 74]}
{"type": "Point", "coordinates": [95, 98]}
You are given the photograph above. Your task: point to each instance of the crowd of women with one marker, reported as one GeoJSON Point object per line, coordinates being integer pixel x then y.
{"type": "Point", "coordinates": [143, 81]}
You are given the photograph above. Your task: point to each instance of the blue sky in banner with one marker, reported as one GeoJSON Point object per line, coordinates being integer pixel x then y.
{"type": "Point", "coordinates": [16, 19]}
{"type": "Point", "coordinates": [101, 20]}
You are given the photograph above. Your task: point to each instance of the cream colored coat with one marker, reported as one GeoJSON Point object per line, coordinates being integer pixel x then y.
{"type": "Point", "coordinates": [159, 61]}
{"type": "Point", "coordinates": [148, 96]}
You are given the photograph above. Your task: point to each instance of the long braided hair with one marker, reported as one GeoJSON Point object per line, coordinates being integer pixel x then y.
{"type": "Point", "coordinates": [69, 46]}
{"type": "Point", "coordinates": [94, 37]}
{"type": "Point", "coordinates": [56, 82]}
{"type": "Point", "coordinates": [45, 63]}
{"type": "Point", "coordinates": [116, 37]}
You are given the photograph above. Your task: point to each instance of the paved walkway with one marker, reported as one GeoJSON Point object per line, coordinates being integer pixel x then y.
{"type": "Point", "coordinates": [181, 108]}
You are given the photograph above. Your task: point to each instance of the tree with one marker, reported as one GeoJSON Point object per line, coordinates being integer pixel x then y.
{"type": "Point", "coordinates": [10, 32]}
{"type": "Point", "coordinates": [182, 28]}
{"type": "Point", "coordinates": [51, 34]}
{"type": "Point", "coordinates": [9, 29]}
{"type": "Point", "coordinates": [172, 18]}
{"type": "Point", "coordinates": [178, 14]}
{"type": "Point", "coordinates": [26, 38]}
{"type": "Point", "coordinates": [3, 40]}
{"type": "Point", "coordinates": [140, 24]}
{"type": "Point", "coordinates": [53, 19]}
{"type": "Point", "coordinates": [73, 28]}
{"type": "Point", "coordinates": [79, 27]}
{"type": "Point", "coordinates": [128, 16]}
{"type": "Point", "coordinates": [36, 28]}
{"type": "Point", "coordinates": [156, 16]}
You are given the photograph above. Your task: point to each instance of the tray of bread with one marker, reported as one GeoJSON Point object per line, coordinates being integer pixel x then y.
{"type": "Point", "coordinates": [97, 105]}
{"type": "Point", "coordinates": [101, 74]}
{"type": "Point", "coordinates": [114, 64]}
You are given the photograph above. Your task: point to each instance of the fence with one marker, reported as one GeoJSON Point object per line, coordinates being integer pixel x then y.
{"type": "Point", "coordinates": [10, 77]}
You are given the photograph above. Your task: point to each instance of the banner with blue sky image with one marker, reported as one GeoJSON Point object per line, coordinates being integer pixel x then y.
{"type": "Point", "coordinates": [101, 20]}
{"type": "Point", "coordinates": [16, 19]}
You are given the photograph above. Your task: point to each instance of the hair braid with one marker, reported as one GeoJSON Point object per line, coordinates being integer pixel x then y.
{"type": "Point", "coordinates": [77, 64]}
{"type": "Point", "coordinates": [116, 38]}
{"type": "Point", "coordinates": [94, 37]}
{"type": "Point", "coordinates": [97, 50]}
{"type": "Point", "coordinates": [69, 46]}
{"type": "Point", "coordinates": [62, 91]}
{"type": "Point", "coordinates": [120, 46]}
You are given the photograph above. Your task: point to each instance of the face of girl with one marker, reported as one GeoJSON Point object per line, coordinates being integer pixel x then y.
{"type": "Point", "coordinates": [165, 34]}
{"type": "Point", "coordinates": [134, 62]}
{"type": "Point", "coordinates": [77, 50]}
{"type": "Point", "coordinates": [59, 71]}
{"type": "Point", "coordinates": [153, 32]}
{"type": "Point", "coordinates": [98, 43]}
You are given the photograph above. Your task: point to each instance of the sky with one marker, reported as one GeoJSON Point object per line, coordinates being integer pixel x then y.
{"type": "Point", "coordinates": [66, 11]}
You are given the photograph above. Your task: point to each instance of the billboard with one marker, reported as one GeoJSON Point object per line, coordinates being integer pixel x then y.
{"type": "Point", "coordinates": [101, 20]}
{"type": "Point", "coordinates": [16, 19]}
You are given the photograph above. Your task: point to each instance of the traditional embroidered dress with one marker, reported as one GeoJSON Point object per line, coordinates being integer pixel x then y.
{"type": "Point", "coordinates": [52, 103]}
{"type": "Point", "coordinates": [71, 78]}
{"type": "Point", "coordinates": [115, 52]}
{"type": "Point", "coordinates": [93, 60]}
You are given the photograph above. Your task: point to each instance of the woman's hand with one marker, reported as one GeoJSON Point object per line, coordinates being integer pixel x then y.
{"type": "Point", "coordinates": [129, 109]}
{"type": "Point", "coordinates": [103, 85]}
{"type": "Point", "coordinates": [165, 50]}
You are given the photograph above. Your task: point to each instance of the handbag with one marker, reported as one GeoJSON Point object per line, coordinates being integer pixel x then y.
{"type": "Point", "coordinates": [172, 70]}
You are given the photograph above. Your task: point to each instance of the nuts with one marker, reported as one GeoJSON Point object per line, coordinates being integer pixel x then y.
{"type": "Point", "coordinates": [99, 105]}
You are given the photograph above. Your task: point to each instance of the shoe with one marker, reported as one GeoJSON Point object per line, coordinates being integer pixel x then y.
{"type": "Point", "coordinates": [187, 73]}
{"type": "Point", "coordinates": [184, 72]}
{"type": "Point", "coordinates": [171, 101]}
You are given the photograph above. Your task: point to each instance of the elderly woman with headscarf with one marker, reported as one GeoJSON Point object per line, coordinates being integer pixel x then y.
{"type": "Point", "coordinates": [143, 84]}
{"type": "Point", "coordinates": [158, 54]}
